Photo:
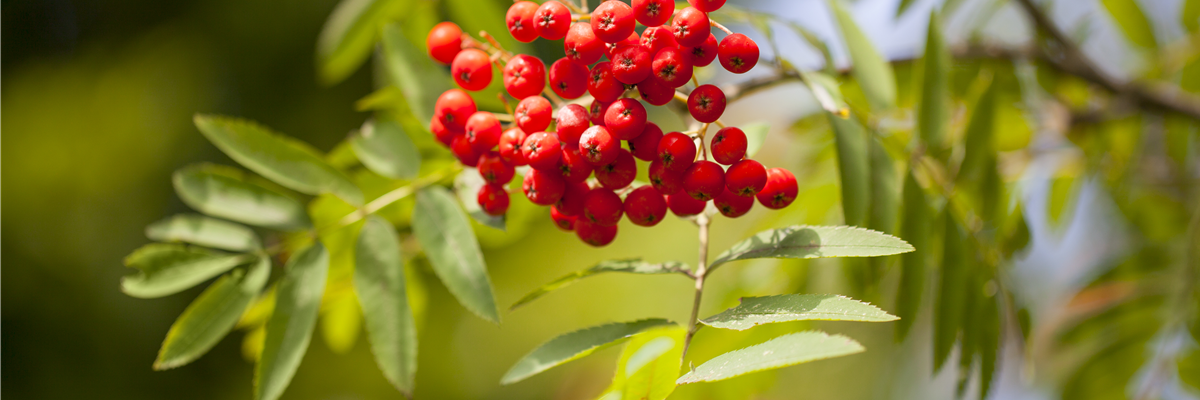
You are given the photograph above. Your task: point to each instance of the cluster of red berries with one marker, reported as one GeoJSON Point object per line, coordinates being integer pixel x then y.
{"type": "Point", "coordinates": [586, 142]}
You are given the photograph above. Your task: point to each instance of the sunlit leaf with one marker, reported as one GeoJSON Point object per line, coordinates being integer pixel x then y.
{"type": "Point", "coordinates": [385, 149]}
{"type": "Point", "coordinates": [633, 266]}
{"type": "Point", "coordinates": [783, 351]}
{"type": "Point", "coordinates": [804, 241]}
{"type": "Point", "coordinates": [756, 134]}
{"type": "Point", "coordinates": [466, 186]}
{"type": "Point", "coordinates": [341, 320]}
{"type": "Point", "coordinates": [755, 311]}
{"type": "Point", "coordinates": [410, 69]}
{"type": "Point", "coordinates": [445, 234]}
{"type": "Point", "coordinates": [575, 345]}
{"type": "Point", "coordinates": [853, 167]}
{"type": "Point", "coordinates": [870, 69]}
{"type": "Point", "coordinates": [915, 228]}
{"type": "Point", "coordinates": [212, 315]}
{"type": "Point", "coordinates": [349, 35]}
{"type": "Point", "coordinates": [203, 231]}
{"type": "Point", "coordinates": [166, 269]}
{"type": "Point", "coordinates": [380, 284]}
{"type": "Point", "coordinates": [290, 328]}
{"type": "Point", "coordinates": [649, 364]}
{"type": "Point", "coordinates": [1190, 15]}
{"type": "Point", "coordinates": [952, 290]}
{"type": "Point", "coordinates": [1132, 21]}
{"type": "Point", "coordinates": [228, 193]}
{"type": "Point", "coordinates": [933, 112]}
{"type": "Point", "coordinates": [1059, 199]}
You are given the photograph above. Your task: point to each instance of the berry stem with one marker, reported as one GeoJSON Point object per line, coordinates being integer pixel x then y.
{"type": "Point", "coordinates": [703, 150]}
{"type": "Point", "coordinates": [504, 99]}
{"type": "Point", "coordinates": [571, 6]}
{"type": "Point", "coordinates": [721, 27]}
{"type": "Point", "coordinates": [393, 196]}
{"type": "Point", "coordinates": [701, 271]}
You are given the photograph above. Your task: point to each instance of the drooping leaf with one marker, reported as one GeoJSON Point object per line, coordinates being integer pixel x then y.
{"type": "Point", "coordinates": [933, 112]}
{"type": "Point", "coordinates": [633, 266]}
{"type": "Point", "coordinates": [649, 364]}
{"type": "Point", "coordinates": [574, 345]}
{"type": "Point", "coordinates": [1132, 21]}
{"type": "Point", "coordinates": [166, 269]}
{"type": "Point", "coordinates": [466, 186]}
{"type": "Point", "coordinates": [445, 234]}
{"type": "Point", "coordinates": [989, 343]}
{"type": "Point", "coordinates": [298, 298]}
{"type": "Point", "coordinates": [915, 229]}
{"type": "Point", "coordinates": [756, 134]}
{"type": "Point", "coordinates": [385, 149]}
{"type": "Point", "coordinates": [951, 291]}
{"type": "Point", "coordinates": [885, 190]}
{"type": "Point", "coordinates": [349, 35]}
{"type": "Point", "coordinates": [1190, 15]}
{"type": "Point", "coordinates": [783, 351]}
{"type": "Point", "coordinates": [228, 193]}
{"type": "Point", "coordinates": [755, 311]}
{"type": "Point", "coordinates": [212, 315]}
{"type": "Point", "coordinates": [410, 69]}
{"type": "Point", "coordinates": [853, 168]}
{"type": "Point", "coordinates": [969, 333]}
{"type": "Point", "coordinates": [870, 69]}
{"type": "Point", "coordinates": [804, 241]}
{"type": "Point", "coordinates": [979, 134]}
{"type": "Point", "coordinates": [380, 284]}
{"type": "Point", "coordinates": [203, 231]}
{"type": "Point", "coordinates": [284, 160]}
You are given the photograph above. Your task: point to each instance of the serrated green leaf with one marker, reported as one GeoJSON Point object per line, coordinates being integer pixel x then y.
{"type": "Point", "coordinates": [915, 228]}
{"type": "Point", "coordinates": [649, 364]}
{"type": "Point", "coordinates": [411, 70]}
{"type": "Point", "coordinates": [1132, 21]}
{"type": "Point", "coordinates": [349, 35]}
{"type": "Point", "coordinates": [203, 231]}
{"type": "Point", "coordinates": [1190, 15]}
{"type": "Point", "coordinates": [805, 241]}
{"type": "Point", "coordinates": [783, 351]}
{"type": "Point", "coordinates": [228, 193]}
{"type": "Point", "coordinates": [380, 284]}
{"type": "Point", "coordinates": [212, 315]}
{"type": "Point", "coordinates": [756, 135]}
{"type": "Point", "coordinates": [952, 291]}
{"type": "Point", "coordinates": [754, 311]}
{"type": "Point", "coordinates": [870, 69]}
{"type": "Point", "coordinates": [284, 160]}
{"type": "Point", "coordinates": [632, 266]}
{"type": "Point", "coordinates": [574, 345]}
{"type": "Point", "coordinates": [853, 168]}
{"type": "Point", "coordinates": [166, 269]}
{"type": "Point", "coordinates": [445, 234]}
{"type": "Point", "coordinates": [466, 186]}
{"type": "Point", "coordinates": [297, 300]}
{"type": "Point", "coordinates": [385, 149]}
{"type": "Point", "coordinates": [933, 112]}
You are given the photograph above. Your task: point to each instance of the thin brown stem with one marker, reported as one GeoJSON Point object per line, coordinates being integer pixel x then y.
{"type": "Point", "coordinates": [718, 25]}
{"type": "Point", "coordinates": [701, 271]}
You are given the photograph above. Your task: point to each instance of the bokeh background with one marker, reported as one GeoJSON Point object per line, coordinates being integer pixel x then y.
{"type": "Point", "coordinates": [98, 98]}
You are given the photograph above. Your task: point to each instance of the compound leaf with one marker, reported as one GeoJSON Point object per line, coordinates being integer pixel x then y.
{"type": "Point", "coordinates": [228, 193]}
{"type": "Point", "coordinates": [632, 265]}
{"type": "Point", "coordinates": [204, 231]}
{"type": "Point", "coordinates": [212, 315]}
{"type": "Point", "coordinates": [574, 345]}
{"type": "Point", "coordinates": [783, 351]}
{"type": "Point", "coordinates": [445, 234]}
{"type": "Point", "coordinates": [804, 241]}
{"type": "Point", "coordinates": [755, 311]}
{"type": "Point", "coordinates": [289, 330]}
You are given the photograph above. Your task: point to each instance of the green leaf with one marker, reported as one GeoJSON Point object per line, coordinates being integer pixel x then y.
{"type": "Point", "coordinates": [284, 160]}
{"type": "Point", "coordinates": [904, 5]}
{"type": "Point", "coordinates": [870, 69]}
{"type": "Point", "coordinates": [979, 133]}
{"type": "Point", "coordinates": [166, 269]}
{"type": "Point", "coordinates": [574, 345]}
{"type": "Point", "coordinates": [853, 168]}
{"type": "Point", "coordinates": [632, 265]}
{"type": "Point", "coordinates": [204, 231]}
{"type": "Point", "coordinates": [379, 282]}
{"type": "Point", "coordinates": [349, 35]}
{"type": "Point", "coordinates": [212, 315]}
{"type": "Point", "coordinates": [297, 300]}
{"type": "Point", "coordinates": [989, 343]}
{"type": "Point", "coordinates": [827, 92]}
{"type": "Point", "coordinates": [228, 193]}
{"type": "Point", "coordinates": [915, 228]}
{"type": "Point", "coordinates": [933, 112]}
{"type": "Point", "coordinates": [410, 69]}
{"type": "Point", "coordinates": [649, 364]}
{"type": "Point", "coordinates": [445, 233]}
{"type": "Point", "coordinates": [466, 186]}
{"type": "Point", "coordinates": [756, 134]}
{"type": "Point", "coordinates": [754, 311]}
{"type": "Point", "coordinates": [885, 190]}
{"type": "Point", "coordinates": [385, 149]}
{"type": "Point", "coordinates": [1132, 21]}
{"type": "Point", "coordinates": [783, 351]}
{"type": "Point", "coordinates": [1190, 15]}
{"type": "Point", "coordinates": [952, 291]}
{"type": "Point", "coordinates": [805, 241]}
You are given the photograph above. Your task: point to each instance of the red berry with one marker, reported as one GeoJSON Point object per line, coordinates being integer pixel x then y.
{"type": "Point", "coordinates": [738, 53]}
{"type": "Point", "coordinates": [704, 180]}
{"type": "Point", "coordinates": [552, 20]}
{"type": "Point", "coordinates": [593, 234]}
{"type": "Point", "coordinates": [655, 92]}
{"type": "Point", "coordinates": [493, 199]}
{"type": "Point", "coordinates": [703, 54]}
{"type": "Point", "coordinates": [671, 68]}
{"type": "Point", "coordinates": [683, 205]}
{"type": "Point", "coordinates": [732, 205]}
{"type": "Point", "coordinates": [443, 134]}
{"type": "Point", "coordinates": [524, 76]}
{"type": "Point", "coordinates": [676, 151]}
{"type": "Point", "coordinates": [543, 188]}
{"type": "Point", "coordinates": [572, 120]}
{"type": "Point", "coordinates": [665, 180]}
{"type": "Point", "coordinates": [533, 114]}
{"type": "Point", "coordinates": [625, 118]}
{"type": "Point", "coordinates": [780, 191]}
{"type": "Point", "coordinates": [562, 221]}
{"type": "Point", "coordinates": [542, 151]}
{"type": "Point", "coordinates": [453, 108]}
{"type": "Point", "coordinates": [444, 42]}
{"type": "Point", "coordinates": [582, 46]}
{"type": "Point", "coordinates": [603, 207]}
{"type": "Point", "coordinates": [572, 199]}
{"type": "Point", "coordinates": [632, 40]}
{"type": "Point", "coordinates": [645, 206]}
{"type": "Point", "coordinates": [706, 103]}
{"type": "Point", "coordinates": [463, 150]}
{"type": "Point", "coordinates": [691, 27]}
{"type": "Point", "coordinates": [568, 79]}
{"type": "Point", "coordinates": [602, 84]}
{"type": "Point", "coordinates": [596, 112]}
{"type": "Point", "coordinates": [618, 174]}
{"type": "Point", "coordinates": [645, 145]}
{"type": "Point", "coordinates": [472, 69]}
{"type": "Point", "coordinates": [510, 146]}
{"type": "Point", "coordinates": [573, 166]}
{"type": "Point", "coordinates": [707, 5]}
{"type": "Point", "coordinates": [653, 12]}
{"type": "Point", "coordinates": [657, 38]}
{"type": "Point", "coordinates": [483, 131]}
{"type": "Point", "coordinates": [630, 64]}
{"type": "Point", "coordinates": [612, 21]}
{"type": "Point", "coordinates": [598, 146]}
{"type": "Point", "coordinates": [728, 145]}
{"type": "Point", "coordinates": [519, 19]}
{"type": "Point", "coordinates": [494, 169]}
{"type": "Point", "coordinates": [746, 178]}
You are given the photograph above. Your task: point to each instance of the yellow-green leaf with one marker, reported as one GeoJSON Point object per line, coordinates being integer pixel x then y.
{"type": "Point", "coordinates": [1130, 18]}
{"type": "Point", "coordinates": [212, 315]}
{"type": "Point", "coordinates": [341, 321]}
{"type": "Point", "coordinates": [289, 330]}
{"type": "Point", "coordinates": [756, 135]}
{"type": "Point", "coordinates": [872, 71]}
{"type": "Point", "coordinates": [933, 112]}
{"type": "Point", "coordinates": [1190, 15]}
{"type": "Point", "coordinates": [649, 364]}
{"type": "Point", "coordinates": [574, 345]}
{"type": "Point", "coordinates": [632, 266]}
{"type": "Point", "coordinates": [783, 351]}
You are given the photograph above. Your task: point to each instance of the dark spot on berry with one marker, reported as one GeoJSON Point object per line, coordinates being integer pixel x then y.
{"type": "Point", "coordinates": [652, 9]}
{"type": "Point", "coordinates": [737, 61]}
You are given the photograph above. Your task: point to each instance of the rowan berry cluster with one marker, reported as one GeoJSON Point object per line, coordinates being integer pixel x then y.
{"type": "Point", "coordinates": [586, 142]}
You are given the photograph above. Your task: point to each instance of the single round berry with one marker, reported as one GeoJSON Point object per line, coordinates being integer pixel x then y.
{"type": "Point", "coordinates": [655, 92]}
{"type": "Point", "coordinates": [494, 169]}
{"type": "Point", "coordinates": [543, 188]}
{"type": "Point", "coordinates": [581, 44]}
{"type": "Point", "coordinates": [746, 178]}
{"type": "Point", "coordinates": [573, 166]}
{"type": "Point", "coordinates": [598, 146]}
{"type": "Point", "coordinates": [562, 221]}
{"type": "Point", "coordinates": [683, 205]}
{"type": "Point", "coordinates": [572, 199]}
{"type": "Point", "coordinates": [732, 205]}
{"type": "Point", "coordinates": [676, 151]}
{"type": "Point", "coordinates": [452, 109]}
{"type": "Point", "coordinates": [657, 38]}
{"type": "Point", "coordinates": [663, 180]}
{"type": "Point", "coordinates": [444, 42]}
{"type": "Point", "coordinates": [524, 76]}
{"type": "Point", "coordinates": [594, 234]}
{"type": "Point", "coordinates": [603, 207]}
{"type": "Point", "coordinates": [704, 180]}
{"type": "Point", "coordinates": [632, 40]}
{"type": "Point", "coordinates": [510, 146]}
{"type": "Point", "coordinates": [552, 20]}
{"type": "Point", "coordinates": [572, 120]}
{"type": "Point", "coordinates": [691, 27]}
{"type": "Point", "coordinates": [596, 112]}
{"type": "Point", "coordinates": [493, 199]}
{"type": "Point", "coordinates": [670, 67]}
{"type": "Point", "coordinates": [645, 206]}
{"type": "Point", "coordinates": [703, 54]}
{"type": "Point", "coordinates": [483, 131]}
{"type": "Point", "coordinates": [631, 64]}
{"type": "Point", "coordinates": [463, 151]}
{"type": "Point", "coordinates": [619, 173]}
{"type": "Point", "coordinates": [441, 133]}
{"type": "Point", "coordinates": [533, 114]}
{"type": "Point", "coordinates": [738, 53]}
{"type": "Point", "coordinates": [542, 151]}
{"type": "Point", "coordinates": [706, 103]}
{"type": "Point", "coordinates": [472, 69]}
{"type": "Point", "coordinates": [707, 5]}
{"type": "Point", "coordinates": [612, 21]}
{"type": "Point", "coordinates": [645, 145]}
{"type": "Point", "coordinates": [568, 79]}
{"type": "Point", "coordinates": [780, 191]}
{"type": "Point", "coordinates": [625, 118]}
{"type": "Point", "coordinates": [601, 83]}
{"type": "Point", "coordinates": [519, 19]}
{"type": "Point", "coordinates": [653, 12]}
{"type": "Point", "coordinates": [728, 145]}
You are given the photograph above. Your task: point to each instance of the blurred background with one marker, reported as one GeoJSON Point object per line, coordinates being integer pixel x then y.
{"type": "Point", "coordinates": [98, 98]}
